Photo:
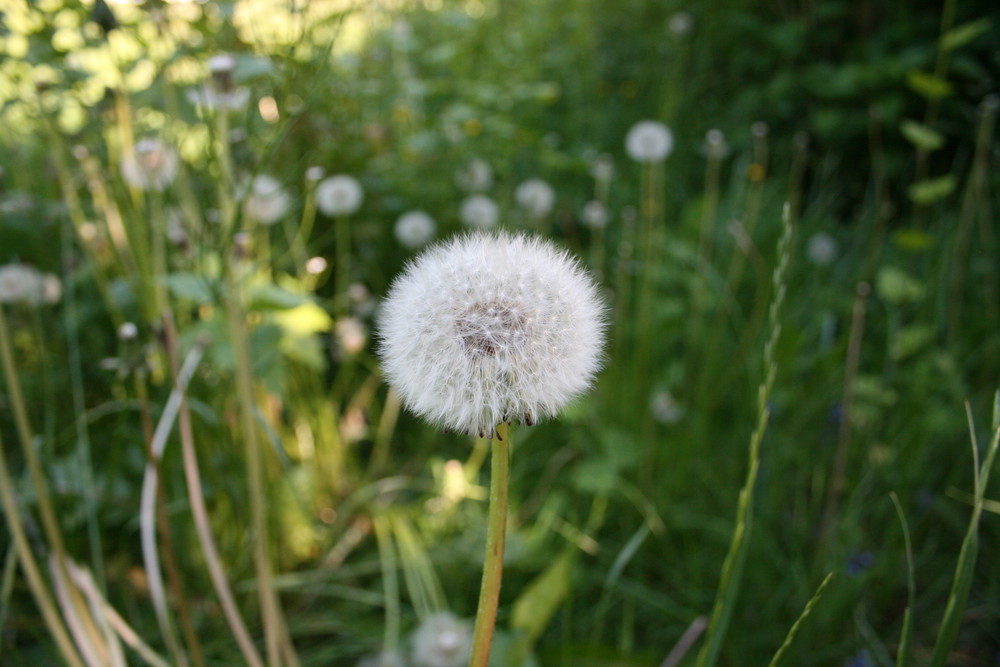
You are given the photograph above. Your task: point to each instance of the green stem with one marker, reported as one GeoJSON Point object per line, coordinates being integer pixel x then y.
{"type": "Point", "coordinates": [43, 598]}
{"type": "Point", "coordinates": [343, 232]}
{"type": "Point", "coordinates": [489, 591]}
{"type": "Point", "coordinates": [254, 468]}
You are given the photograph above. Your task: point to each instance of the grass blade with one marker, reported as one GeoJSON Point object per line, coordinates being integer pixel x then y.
{"type": "Point", "coordinates": [903, 652]}
{"type": "Point", "coordinates": [794, 630]}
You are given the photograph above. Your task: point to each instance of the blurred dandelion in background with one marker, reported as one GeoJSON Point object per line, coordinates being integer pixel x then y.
{"type": "Point", "coordinates": [595, 215]}
{"type": "Point", "coordinates": [479, 212]}
{"type": "Point", "coordinates": [20, 283]}
{"type": "Point", "coordinates": [267, 201]}
{"type": "Point", "coordinates": [220, 92]}
{"type": "Point", "coordinates": [339, 195]}
{"type": "Point", "coordinates": [414, 229]}
{"type": "Point", "coordinates": [821, 249]}
{"type": "Point", "coordinates": [649, 141]}
{"type": "Point", "coordinates": [442, 640]}
{"type": "Point", "coordinates": [151, 165]}
{"type": "Point", "coordinates": [475, 176]}
{"type": "Point", "coordinates": [536, 196]}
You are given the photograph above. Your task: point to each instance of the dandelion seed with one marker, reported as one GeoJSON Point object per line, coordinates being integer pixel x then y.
{"type": "Point", "coordinates": [536, 196]}
{"type": "Point", "coordinates": [267, 202]}
{"type": "Point", "coordinates": [489, 328]}
{"type": "Point", "coordinates": [649, 141]}
{"type": "Point", "coordinates": [479, 212]}
{"type": "Point", "coordinates": [151, 165]}
{"type": "Point", "coordinates": [339, 195]}
{"type": "Point", "coordinates": [442, 640]}
{"type": "Point", "coordinates": [414, 229]}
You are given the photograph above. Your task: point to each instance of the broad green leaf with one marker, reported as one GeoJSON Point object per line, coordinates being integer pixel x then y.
{"type": "Point", "coordinates": [896, 286]}
{"type": "Point", "coordinates": [921, 136]}
{"type": "Point", "coordinates": [189, 286]}
{"type": "Point", "coordinates": [910, 340]}
{"type": "Point", "coordinates": [533, 610]}
{"type": "Point", "coordinates": [932, 189]}
{"type": "Point", "coordinates": [304, 320]}
{"type": "Point", "coordinates": [930, 86]}
{"type": "Point", "coordinates": [961, 35]}
{"type": "Point", "coordinates": [912, 240]}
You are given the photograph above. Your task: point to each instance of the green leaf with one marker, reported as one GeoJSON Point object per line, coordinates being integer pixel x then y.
{"type": "Point", "coordinates": [921, 136]}
{"type": "Point", "coordinates": [897, 286]}
{"type": "Point", "coordinates": [909, 341]}
{"type": "Point", "coordinates": [272, 297]}
{"type": "Point", "coordinates": [961, 35]}
{"type": "Point", "coordinates": [930, 86]}
{"type": "Point", "coordinates": [931, 189]}
{"type": "Point", "coordinates": [912, 240]}
{"type": "Point", "coordinates": [533, 610]}
{"type": "Point", "coordinates": [189, 286]}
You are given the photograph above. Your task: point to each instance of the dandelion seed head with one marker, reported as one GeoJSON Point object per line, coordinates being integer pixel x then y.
{"type": "Point", "coordinates": [488, 328]}
{"type": "Point", "coordinates": [339, 195]}
{"type": "Point", "coordinates": [821, 249]}
{"type": "Point", "coordinates": [151, 165]}
{"type": "Point", "coordinates": [475, 176]}
{"type": "Point", "coordinates": [649, 141]}
{"type": "Point", "coordinates": [442, 640]}
{"type": "Point", "coordinates": [267, 201]}
{"type": "Point", "coordinates": [414, 229]}
{"type": "Point", "coordinates": [595, 214]}
{"type": "Point", "coordinates": [536, 196]}
{"type": "Point", "coordinates": [603, 168]}
{"type": "Point", "coordinates": [479, 212]}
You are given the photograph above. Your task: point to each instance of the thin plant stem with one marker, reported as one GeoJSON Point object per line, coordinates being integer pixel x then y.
{"type": "Point", "coordinates": [343, 268]}
{"type": "Point", "coordinates": [49, 523]}
{"type": "Point", "coordinates": [390, 579]}
{"type": "Point", "coordinates": [794, 630]}
{"type": "Point", "coordinates": [254, 467]}
{"type": "Point", "coordinates": [489, 591]}
{"type": "Point", "coordinates": [732, 567]}
{"type": "Point", "coordinates": [39, 589]}
{"type": "Point", "coordinates": [903, 651]}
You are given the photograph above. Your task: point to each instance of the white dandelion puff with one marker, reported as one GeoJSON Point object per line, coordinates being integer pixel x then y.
{"type": "Point", "coordinates": [221, 91]}
{"type": "Point", "coordinates": [151, 165]}
{"type": "Point", "coordinates": [536, 196]}
{"type": "Point", "coordinates": [414, 229]}
{"type": "Point", "coordinates": [20, 283]}
{"type": "Point", "coordinates": [442, 640]}
{"type": "Point", "coordinates": [649, 141]}
{"type": "Point", "coordinates": [339, 195]}
{"type": "Point", "coordinates": [488, 328]}
{"type": "Point", "coordinates": [267, 202]}
{"type": "Point", "coordinates": [479, 212]}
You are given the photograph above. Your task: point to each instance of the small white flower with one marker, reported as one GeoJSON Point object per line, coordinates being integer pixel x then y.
{"type": "Point", "coordinates": [649, 141]}
{"type": "Point", "coordinates": [821, 249]}
{"type": "Point", "coordinates": [152, 165]}
{"type": "Point", "coordinates": [479, 212]}
{"type": "Point", "coordinates": [595, 215]}
{"type": "Point", "coordinates": [383, 659]}
{"type": "Point", "coordinates": [267, 202]}
{"type": "Point", "coordinates": [414, 229]}
{"type": "Point", "coordinates": [442, 640]}
{"type": "Point", "coordinates": [339, 195]}
{"type": "Point", "coordinates": [476, 176]}
{"type": "Point", "coordinates": [536, 196]}
{"type": "Point", "coordinates": [489, 328]}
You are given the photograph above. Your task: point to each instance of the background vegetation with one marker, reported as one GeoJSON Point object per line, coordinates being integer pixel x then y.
{"type": "Point", "coordinates": [873, 121]}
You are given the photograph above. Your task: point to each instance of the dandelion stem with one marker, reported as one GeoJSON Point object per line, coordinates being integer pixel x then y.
{"type": "Point", "coordinates": [489, 591]}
